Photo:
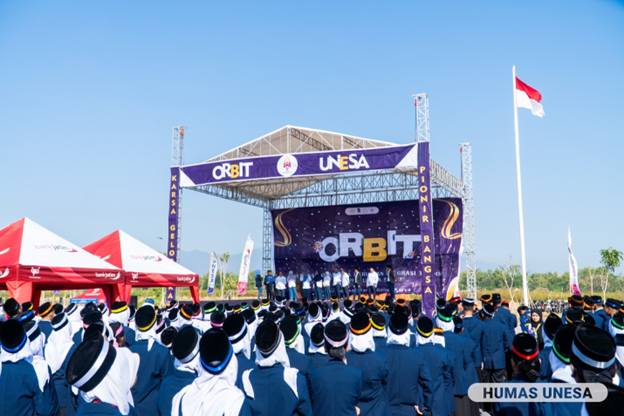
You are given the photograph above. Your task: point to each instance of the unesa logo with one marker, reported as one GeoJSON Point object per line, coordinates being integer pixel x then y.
{"type": "Point", "coordinates": [344, 162]}
{"type": "Point", "coordinates": [231, 170]}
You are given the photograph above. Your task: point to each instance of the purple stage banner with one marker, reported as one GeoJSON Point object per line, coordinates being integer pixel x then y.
{"type": "Point", "coordinates": [307, 240]}
{"type": "Point", "coordinates": [170, 294]}
{"type": "Point", "coordinates": [301, 164]}
{"type": "Point", "coordinates": [426, 267]}
{"type": "Point", "coordinates": [174, 198]}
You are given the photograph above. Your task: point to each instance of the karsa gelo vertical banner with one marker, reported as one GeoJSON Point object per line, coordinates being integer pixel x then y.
{"type": "Point", "coordinates": [174, 198]}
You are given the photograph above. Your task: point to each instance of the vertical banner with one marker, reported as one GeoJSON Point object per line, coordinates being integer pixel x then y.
{"type": "Point", "coordinates": [170, 294]}
{"type": "Point", "coordinates": [574, 284]}
{"type": "Point", "coordinates": [243, 274]}
{"type": "Point", "coordinates": [212, 276]}
{"type": "Point", "coordinates": [426, 268]}
{"type": "Point", "coordinates": [172, 234]}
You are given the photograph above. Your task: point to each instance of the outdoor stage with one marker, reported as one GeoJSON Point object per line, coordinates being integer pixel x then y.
{"type": "Point", "coordinates": [291, 170]}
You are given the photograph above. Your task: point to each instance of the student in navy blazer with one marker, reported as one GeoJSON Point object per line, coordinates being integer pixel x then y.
{"type": "Point", "coordinates": [493, 346]}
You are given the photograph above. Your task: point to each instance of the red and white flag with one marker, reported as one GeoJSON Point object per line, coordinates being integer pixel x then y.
{"type": "Point", "coordinates": [527, 97]}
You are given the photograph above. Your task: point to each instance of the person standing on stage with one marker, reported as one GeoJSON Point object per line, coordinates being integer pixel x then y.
{"type": "Point", "coordinates": [391, 280]}
{"type": "Point", "coordinates": [318, 286]}
{"type": "Point", "coordinates": [259, 279]}
{"type": "Point", "coordinates": [327, 286]}
{"type": "Point", "coordinates": [345, 284]}
{"type": "Point", "coordinates": [337, 282]}
{"type": "Point", "coordinates": [357, 284]}
{"type": "Point", "coordinates": [292, 286]}
{"type": "Point", "coordinates": [372, 280]}
{"type": "Point", "coordinates": [269, 283]}
{"type": "Point", "coordinates": [306, 286]}
{"type": "Point", "coordinates": [280, 285]}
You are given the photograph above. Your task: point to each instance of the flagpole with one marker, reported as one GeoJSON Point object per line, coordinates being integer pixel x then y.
{"type": "Point", "coordinates": [525, 287]}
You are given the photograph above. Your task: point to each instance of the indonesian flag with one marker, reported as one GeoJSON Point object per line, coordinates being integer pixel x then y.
{"type": "Point", "coordinates": [527, 97]}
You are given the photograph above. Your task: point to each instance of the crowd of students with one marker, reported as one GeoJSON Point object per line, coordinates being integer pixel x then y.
{"type": "Point", "coordinates": [301, 358]}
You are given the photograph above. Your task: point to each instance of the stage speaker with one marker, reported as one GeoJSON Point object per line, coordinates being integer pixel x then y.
{"type": "Point", "coordinates": [133, 301]}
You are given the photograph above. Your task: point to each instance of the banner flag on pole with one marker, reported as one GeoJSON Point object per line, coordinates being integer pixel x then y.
{"type": "Point", "coordinates": [426, 268]}
{"type": "Point", "coordinates": [243, 274]}
{"type": "Point", "coordinates": [574, 284]}
{"type": "Point", "coordinates": [212, 274]}
{"type": "Point", "coordinates": [170, 294]}
{"type": "Point", "coordinates": [527, 97]}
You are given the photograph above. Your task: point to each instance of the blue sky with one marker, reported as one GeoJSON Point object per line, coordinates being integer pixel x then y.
{"type": "Point", "coordinates": [90, 91]}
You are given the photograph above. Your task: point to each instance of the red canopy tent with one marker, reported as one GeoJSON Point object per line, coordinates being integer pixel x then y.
{"type": "Point", "coordinates": [92, 295]}
{"type": "Point", "coordinates": [33, 259]}
{"type": "Point", "coordinates": [144, 266]}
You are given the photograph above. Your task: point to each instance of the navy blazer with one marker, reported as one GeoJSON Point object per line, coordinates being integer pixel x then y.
{"type": "Point", "coordinates": [410, 382]}
{"type": "Point", "coordinates": [374, 368]}
{"type": "Point", "coordinates": [520, 408]}
{"type": "Point", "coordinates": [65, 399]}
{"type": "Point", "coordinates": [318, 360]}
{"type": "Point", "coordinates": [380, 342]}
{"type": "Point", "coordinates": [336, 389]}
{"type": "Point", "coordinates": [471, 372]}
{"type": "Point", "coordinates": [171, 386]}
{"type": "Point", "coordinates": [244, 364]}
{"type": "Point", "coordinates": [130, 336]}
{"type": "Point", "coordinates": [272, 396]}
{"type": "Point", "coordinates": [602, 319]}
{"type": "Point", "coordinates": [46, 328]}
{"type": "Point", "coordinates": [494, 344]}
{"type": "Point", "coordinates": [97, 409]}
{"type": "Point", "coordinates": [21, 394]}
{"type": "Point", "coordinates": [509, 321]}
{"type": "Point", "coordinates": [545, 369]}
{"type": "Point", "coordinates": [301, 362]}
{"type": "Point", "coordinates": [459, 346]}
{"type": "Point", "coordinates": [474, 327]}
{"type": "Point", "coordinates": [155, 366]}
{"type": "Point", "coordinates": [441, 364]}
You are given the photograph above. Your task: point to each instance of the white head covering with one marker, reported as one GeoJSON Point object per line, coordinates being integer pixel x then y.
{"type": "Point", "coordinates": [74, 320]}
{"type": "Point", "coordinates": [244, 344]}
{"type": "Point", "coordinates": [380, 333]}
{"type": "Point", "coordinates": [149, 335]}
{"type": "Point", "coordinates": [121, 317]}
{"type": "Point", "coordinates": [445, 326]}
{"type": "Point", "coordinates": [361, 343]}
{"type": "Point", "coordinates": [190, 367]}
{"type": "Point", "coordinates": [278, 356]}
{"type": "Point", "coordinates": [403, 339]}
{"type": "Point", "coordinates": [420, 340]}
{"type": "Point", "coordinates": [37, 344]}
{"type": "Point", "coordinates": [312, 349]}
{"type": "Point", "coordinates": [115, 387]}
{"type": "Point", "coordinates": [438, 339]}
{"type": "Point", "coordinates": [298, 344]}
{"type": "Point", "coordinates": [211, 395]}
{"type": "Point", "coordinates": [59, 344]}
{"type": "Point", "coordinates": [38, 363]}
{"type": "Point", "coordinates": [560, 371]}
{"type": "Point", "coordinates": [619, 352]}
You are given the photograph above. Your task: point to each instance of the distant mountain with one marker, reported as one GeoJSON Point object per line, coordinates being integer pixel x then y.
{"type": "Point", "coordinates": [199, 261]}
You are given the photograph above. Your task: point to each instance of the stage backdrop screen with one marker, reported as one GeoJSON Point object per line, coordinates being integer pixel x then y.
{"type": "Point", "coordinates": [307, 240]}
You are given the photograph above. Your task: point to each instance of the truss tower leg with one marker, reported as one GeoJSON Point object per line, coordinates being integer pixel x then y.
{"type": "Point", "coordinates": [469, 231]}
{"type": "Point", "coordinates": [177, 159]}
{"type": "Point", "coordinates": [267, 241]}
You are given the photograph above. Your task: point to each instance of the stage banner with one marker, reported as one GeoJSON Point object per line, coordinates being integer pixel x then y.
{"type": "Point", "coordinates": [212, 274]}
{"type": "Point", "coordinates": [301, 164]}
{"type": "Point", "coordinates": [172, 234]}
{"type": "Point", "coordinates": [307, 240]}
{"type": "Point", "coordinates": [170, 294]}
{"type": "Point", "coordinates": [426, 267]}
{"type": "Point", "coordinates": [243, 274]}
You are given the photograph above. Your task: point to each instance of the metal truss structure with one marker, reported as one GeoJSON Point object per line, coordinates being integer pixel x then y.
{"type": "Point", "coordinates": [469, 231]}
{"type": "Point", "coordinates": [177, 159]}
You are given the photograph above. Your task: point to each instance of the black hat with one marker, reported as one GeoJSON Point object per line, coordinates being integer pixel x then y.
{"type": "Point", "coordinates": [249, 315]}
{"type": "Point", "coordinates": [235, 328]}
{"type": "Point", "coordinates": [347, 303]}
{"type": "Point", "coordinates": [314, 311]}
{"type": "Point", "coordinates": [400, 302]}
{"type": "Point", "coordinates": [588, 318]}
{"type": "Point", "coordinates": [468, 302]}
{"type": "Point", "coordinates": [160, 324]}
{"type": "Point", "coordinates": [574, 315]}
{"type": "Point", "coordinates": [489, 309]}
{"type": "Point", "coordinates": [58, 308]}
{"type": "Point", "coordinates": [185, 344]}
{"type": "Point", "coordinates": [316, 335]}
{"type": "Point", "coordinates": [145, 318]}
{"type": "Point", "coordinates": [244, 305]}
{"type": "Point", "coordinates": [96, 328]}
{"type": "Point", "coordinates": [118, 329]}
{"type": "Point", "coordinates": [27, 306]}
{"type": "Point", "coordinates": [11, 307]}
{"type": "Point", "coordinates": [221, 307]}
{"type": "Point", "coordinates": [44, 310]}
{"type": "Point", "coordinates": [486, 298]}
{"type": "Point", "coordinates": [588, 302]}
{"type": "Point", "coordinates": [196, 308]}
{"type": "Point", "coordinates": [186, 312]}
{"type": "Point", "coordinates": [91, 317]}
{"type": "Point", "coordinates": [267, 337]}
{"type": "Point", "coordinates": [173, 315]}
{"type": "Point", "coordinates": [496, 298]}
{"type": "Point", "coordinates": [90, 363]}
{"type": "Point", "coordinates": [263, 314]}
{"type": "Point", "coordinates": [551, 325]}
{"type": "Point", "coordinates": [118, 307]}
{"type": "Point", "coordinates": [133, 312]}
{"type": "Point", "coordinates": [266, 302]}
{"type": "Point", "coordinates": [210, 307]}
{"type": "Point", "coordinates": [378, 321]}
{"type": "Point", "coordinates": [228, 309]}
{"type": "Point", "coordinates": [446, 313]}
{"type": "Point", "coordinates": [562, 342]}
{"type": "Point", "coordinates": [12, 336]}
{"type": "Point", "coordinates": [102, 307]}
{"type": "Point", "coordinates": [335, 306]}
{"type": "Point", "coordinates": [217, 318]}
{"type": "Point", "coordinates": [458, 323]}
{"type": "Point", "coordinates": [26, 316]}
{"type": "Point", "coordinates": [71, 308]}
{"type": "Point", "coordinates": [618, 320]}
{"type": "Point", "coordinates": [440, 304]}
{"type": "Point", "coordinates": [255, 305]}
{"type": "Point", "coordinates": [172, 304]}
{"type": "Point", "coordinates": [273, 307]}
{"type": "Point", "coordinates": [237, 308]}
{"type": "Point", "coordinates": [613, 303]}
{"type": "Point", "coordinates": [597, 299]}
{"type": "Point", "coordinates": [168, 335]}
{"type": "Point", "coordinates": [336, 333]}
{"type": "Point", "coordinates": [425, 327]}
{"type": "Point", "coordinates": [524, 346]}
{"type": "Point", "coordinates": [593, 348]}
{"type": "Point", "coordinates": [360, 323]}
{"type": "Point", "coordinates": [575, 300]}
{"type": "Point", "coordinates": [398, 323]}
{"type": "Point", "coordinates": [32, 330]}
{"type": "Point", "coordinates": [59, 321]}
{"type": "Point", "coordinates": [90, 306]}
{"type": "Point", "coordinates": [215, 351]}
{"type": "Point", "coordinates": [612, 405]}
{"type": "Point", "coordinates": [290, 329]}
{"type": "Point", "coordinates": [276, 316]}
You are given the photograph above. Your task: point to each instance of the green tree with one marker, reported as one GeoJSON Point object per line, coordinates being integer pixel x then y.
{"type": "Point", "coordinates": [610, 259]}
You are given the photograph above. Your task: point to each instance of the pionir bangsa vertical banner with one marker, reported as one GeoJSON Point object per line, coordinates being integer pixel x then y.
{"type": "Point", "coordinates": [174, 197]}
{"type": "Point", "coordinates": [426, 267]}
